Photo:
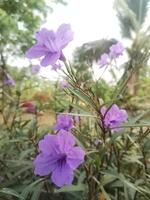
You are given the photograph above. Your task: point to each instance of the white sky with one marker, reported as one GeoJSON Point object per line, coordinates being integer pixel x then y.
{"type": "Point", "coordinates": [90, 20]}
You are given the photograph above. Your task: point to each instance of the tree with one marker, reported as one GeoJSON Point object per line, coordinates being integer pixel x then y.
{"type": "Point", "coordinates": [132, 15]}
{"type": "Point", "coordinates": [91, 51]}
{"type": "Point", "coordinates": [86, 55]}
{"type": "Point", "coordinates": [19, 19]}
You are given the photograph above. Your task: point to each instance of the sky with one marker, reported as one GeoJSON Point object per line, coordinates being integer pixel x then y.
{"type": "Point", "coordinates": [89, 19]}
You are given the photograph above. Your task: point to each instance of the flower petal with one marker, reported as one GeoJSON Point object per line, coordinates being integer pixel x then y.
{"type": "Point", "coordinates": [66, 141]}
{"type": "Point", "coordinates": [42, 35]}
{"type": "Point", "coordinates": [44, 164]}
{"type": "Point", "coordinates": [55, 67]}
{"type": "Point", "coordinates": [62, 175]}
{"type": "Point", "coordinates": [50, 42]}
{"type": "Point", "coordinates": [50, 59]}
{"type": "Point", "coordinates": [75, 157]}
{"type": "Point", "coordinates": [64, 35]}
{"type": "Point", "coordinates": [36, 51]}
{"type": "Point", "coordinates": [123, 115]}
{"type": "Point", "coordinates": [48, 144]}
{"type": "Point", "coordinates": [64, 122]}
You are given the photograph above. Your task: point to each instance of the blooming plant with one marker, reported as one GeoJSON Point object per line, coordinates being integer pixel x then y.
{"type": "Point", "coordinates": [96, 150]}
{"type": "Point", "coordinates": [116, 50]}
{"type": "Point", "coordinates": [64, 122]}
{"type": "Point", "coordinates": [113, 117]}
{"type": "Point", "coordinates": [58, 156]}
{"type": "Point", "coordinates": [50, 45]}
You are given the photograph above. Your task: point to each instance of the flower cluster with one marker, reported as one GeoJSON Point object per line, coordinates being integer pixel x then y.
{"type": "Point", "coordinates": [116, 50]}
{"type": "Point", "coordinates": [114, 117]}
{"type": "Point", "coordinates": [59, 156]}
{"type": "Point", "coordinates": [49, 46]}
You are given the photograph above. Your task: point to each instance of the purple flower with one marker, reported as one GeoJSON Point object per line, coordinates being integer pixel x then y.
{"type": "Point", "coordinates": [50, 45]}
{"type": "Point", "coordinates": [116, 50]}
{"type": "Point", "coordinates": [35, 69]}
{"type": "Point", "coordinates": [59, 157]}
{"type": "Point", "coordinates": [55, 66]}
{"type": "Point", "coordinates": [104, 60]}
{"type": "Point", "coordinates": [64, 84]}
{"type": "Point", "coordinates": [114, 117]}
{"type": "Point", "coordinates": [64, 122]}
{"type": "Point", "coordinates": [9, 80]}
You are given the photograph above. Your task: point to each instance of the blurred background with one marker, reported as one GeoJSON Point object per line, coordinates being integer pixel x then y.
{"type": "Point", "coordinates": [96, 26]}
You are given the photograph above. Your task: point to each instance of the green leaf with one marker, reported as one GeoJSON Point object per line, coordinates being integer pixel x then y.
{"type": "Point", "coordinates": [130, 125]}
{"type": "Point", "coordinates": [25, 153]}
{"type": "Point", "coordinates": [133, 159]}
{"type": "Point", "coordinates": [83, 97]}
{"type": "Point", "coordinates": [22, 170]}
{"type": "Point", "coordinates": [37, 191]}
{"type": "Point", "coordinates": [72, 188]}
{"type": "Point", "coordinates": [137, 118]}
{"type": "Point", "coordinates": [81, 177]}
{"type": "Point", "coordinates": [129, 193]}
{"type": "Point", "coordinates": [30, 188]}
{"type": "Point", "coordinates": [11, 192]}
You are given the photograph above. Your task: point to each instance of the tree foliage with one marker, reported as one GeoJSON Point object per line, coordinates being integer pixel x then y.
{"type": "Point", "coordinates": [18, 22]}
{"type": "Point", "coordinates": [131, 15]}
{"type": "Point", "coordinates": [19, 19]}
{"type": "Point", "coordinates": [91, 51]}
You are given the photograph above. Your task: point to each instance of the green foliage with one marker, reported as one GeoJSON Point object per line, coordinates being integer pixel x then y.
{"type": "Point", "coordinates": [131, 15]}
{"type": "Point", "coordinates": [92, 51]}
{"type": "Point", "coordinates": [18, 21]}
{"type": "Point", "coordinates": [117, 164]}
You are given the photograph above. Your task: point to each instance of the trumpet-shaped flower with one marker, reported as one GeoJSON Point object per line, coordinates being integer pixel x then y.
{"type": "Point", "coordinates": [64, 122]}
{"type": "Point", "coordinates": [50, 44]}
{"type": "Point", "coordinates": [59, 158]}
{"type": "Point", "coordinates": [104, 60]}
{"type": "Point", "coordinates": [116, 50]}
{"type": "Point", "coordinates": [114, 117]}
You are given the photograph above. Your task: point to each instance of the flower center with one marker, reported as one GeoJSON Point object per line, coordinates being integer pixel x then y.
{"type": "Point", "coordinates": [112, 121]}
{"type": "Point", "coordinates": [62, 160]}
